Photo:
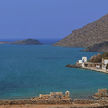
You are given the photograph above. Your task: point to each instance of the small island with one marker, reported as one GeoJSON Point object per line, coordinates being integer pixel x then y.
{"type": "Point", "coordinates": [26, 42]}
{"type": "Point", "coordinates": [23, 42]}
{"type": "Point", "coordinates": [3, 42]}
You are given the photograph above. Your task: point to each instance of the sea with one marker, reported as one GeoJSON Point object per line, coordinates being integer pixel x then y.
{"type": "Point", "coordinates": [29, 70]}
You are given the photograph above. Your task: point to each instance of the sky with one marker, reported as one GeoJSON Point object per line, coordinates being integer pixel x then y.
{"type": "Point", "coordinates": [43, 19]}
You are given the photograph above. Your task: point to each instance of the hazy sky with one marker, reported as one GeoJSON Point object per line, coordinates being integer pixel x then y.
{"type": "Point", "coordinates": [47, 18]}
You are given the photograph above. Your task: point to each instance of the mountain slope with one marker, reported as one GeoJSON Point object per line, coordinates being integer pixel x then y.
{"type": "Point", "coordinates": [90, 34]}
{"type": "Point", "coordinates": [101, 47]}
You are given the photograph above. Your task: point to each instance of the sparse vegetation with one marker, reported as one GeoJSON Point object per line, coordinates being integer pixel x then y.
{"type": "Point", "coordinates": [98, 58]}
{"type": "Point", "coordinates": [99, 47]}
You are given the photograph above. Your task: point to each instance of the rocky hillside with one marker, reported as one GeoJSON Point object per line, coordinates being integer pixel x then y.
{"type": "Point", "coordinates": [101, 47]}
{"type": "Point", "coordinates": [26, 42]}
{"type": "Point", "coordinates": [93, 33]}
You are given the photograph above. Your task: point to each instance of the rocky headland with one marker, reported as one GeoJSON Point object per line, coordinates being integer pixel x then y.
{"type": "Point", "coordinates": [91, 34]}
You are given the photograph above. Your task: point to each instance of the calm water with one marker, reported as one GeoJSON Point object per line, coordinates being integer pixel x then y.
{"type": "Point", "coordinates": [27, 71]}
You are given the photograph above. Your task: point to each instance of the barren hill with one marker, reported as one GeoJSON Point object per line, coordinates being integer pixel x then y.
{"type": "Point", "coordinates": [93, 33]}
{"type": "Point", "coordinates": [101, 47]}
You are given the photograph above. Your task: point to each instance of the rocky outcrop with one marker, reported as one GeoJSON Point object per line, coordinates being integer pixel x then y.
{"type": "Point", "coordinates": [26, 42]}
{"type": "Point", "coordinates": [93, 33]}
{"type": "Point", "coordinates": [100, 47]}
{"type": "Point", "coordinates": [73, 66]}
{"type": "Point", "coordinates": [28, 101]}
{"type": "Point", "coordinates": [3, 42]}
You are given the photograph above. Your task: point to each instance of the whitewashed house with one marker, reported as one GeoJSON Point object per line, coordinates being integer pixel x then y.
{"type": "Point", "coordinates": [84, 59]}
{"type": "Point", "coordinates": [81, 62]}
{"type": "Point", "coordinates": [98, 66]}
{"type": "Point", "coordinates": [104, 63]}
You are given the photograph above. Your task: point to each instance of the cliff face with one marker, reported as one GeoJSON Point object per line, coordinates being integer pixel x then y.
{"type": "Point", "coordinates": [89, 35]}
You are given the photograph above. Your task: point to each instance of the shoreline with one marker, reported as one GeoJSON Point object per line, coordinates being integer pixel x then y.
{"type": "Point", "coordinates": [97, 70]}
{"type": "Point", "coordinates": [87, 68]}
{"type": "Point", "coordinates": [54, 106]}
{"type": "Point", "coordinates": [74, 104]}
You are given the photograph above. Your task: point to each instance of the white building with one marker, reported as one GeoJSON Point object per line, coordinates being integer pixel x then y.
{"type": "Point", "coordinates": [98, 66]}
{"type": "Point", "coordinates": [84, 59]}
{"type": "Point", "coordinates": [67, 94]}
{"type": "Point", "coordinates": [83, 65]}
{"type": "Point", "coordinates": [81, 62]}
{"type": "Point", "coordinates": [104, 63]}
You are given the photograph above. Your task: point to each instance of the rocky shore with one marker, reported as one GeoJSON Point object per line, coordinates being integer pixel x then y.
{"type": "Point", "coordinates": [100, 100]}
{"type": "Point", "coordinates": [53, 104]}
{"type": "Point", "coordinates": [73, 66]}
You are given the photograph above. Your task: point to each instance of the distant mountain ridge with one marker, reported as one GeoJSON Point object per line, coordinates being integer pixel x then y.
{"type": "Point", "coordinates": [93, 33]}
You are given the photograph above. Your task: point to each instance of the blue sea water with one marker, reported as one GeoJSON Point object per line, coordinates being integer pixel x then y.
{"type": "Point", "coordinates": [27, 71]}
